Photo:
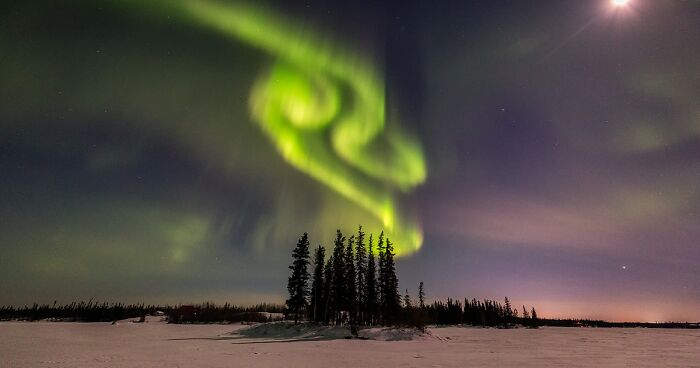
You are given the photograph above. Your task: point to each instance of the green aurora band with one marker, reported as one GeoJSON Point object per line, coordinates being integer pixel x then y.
{"type": "Point", "coordinates": [324, 110]}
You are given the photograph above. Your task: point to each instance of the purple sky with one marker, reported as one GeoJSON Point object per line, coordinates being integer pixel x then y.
{"type": "Point", "coordinates": [562, 141]}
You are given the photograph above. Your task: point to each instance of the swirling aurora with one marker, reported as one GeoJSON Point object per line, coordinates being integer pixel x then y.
{"type": "Point", "coordinates": [324, 110]}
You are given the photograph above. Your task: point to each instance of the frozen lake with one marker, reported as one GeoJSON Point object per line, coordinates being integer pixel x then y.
{"type": "Point", "coordinates": [154, 344]}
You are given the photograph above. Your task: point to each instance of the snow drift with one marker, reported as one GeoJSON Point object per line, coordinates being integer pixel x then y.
{"type": "Point", "coordinates": [311, 331]}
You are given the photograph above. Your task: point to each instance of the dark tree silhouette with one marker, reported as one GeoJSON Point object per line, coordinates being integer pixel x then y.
{"type": "Point", "coordinates": [421, 296]}
{"type": "Point", "coordinates": [381, 280]}
{"type": "Point", "coordinates": [361, 270]}
{"type": "Point", "coordinates": [535, 321]}
{"type": "Point", "coordinates": [371, 303]}
{"type": "Point", "coordinates": [328, 295]}
{"type": "Point", "coordinates": [317, 286]}
{"type": "Point", "coordinates": [507, 313]}
{"type": "Point", "coordinates": [407, 300]}
{"type": "Point", "coordinates": [297, 286]}
{"type": "Point", "coordinates": [392, 298]}
{"type": "Point", "coordinates": [339, 302]}
{"type": "Point", "coordinates": [350, 276]}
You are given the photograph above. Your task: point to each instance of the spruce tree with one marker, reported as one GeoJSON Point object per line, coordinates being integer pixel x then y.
{"type": "Point", "coordinates": [381, 280]}
{"type": "Point", "coordinates": [371, 278]}
{"type": "Point", "coordinates": [421, 296]}
{"type": "Point", "coordinates": [328, 295]}
{"type": "Point", "coordinates": [507, 312]}
{"type": "Point", "coordinates": [297, 285]}
{"type": "Point", "coordinates": [526, 317]}
{"type": "Point", "coordinates": [391, 301]}
{"type": "Point", "coordinates": [350, 276]}
{"type": "Point", "coordinates": [407, 300]}
{"type": "Point", "coordinates": [535, 321]}
{"type": "Point", "coordinates": [339, 287]}
{"type": "Point", "coordinates": [361, 271]}
{"type": "Point", "coordinates": [317, 285]}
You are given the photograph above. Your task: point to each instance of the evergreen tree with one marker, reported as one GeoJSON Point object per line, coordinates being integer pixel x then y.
{"type": "Point", "coordinates": [350, 277]}
{"type": "Point", "coordinates": [328, 297]}
{"type": "Point", "coordinates": [361, 270]}
{"type": "Point", "coordinates": [507, 312]}
{"type": "Point", "coordinates": [421, 296]}
{"type": "Point", "coordinates": [297, 285]}
{"type": "Point", "coordinates": [526, 317]}
{"type": "Point", "coordinates": [407, 300]}
{"type": "Point", "coordinates": [339, 303]}
{"type": "Point", "coordinates": [392, 299]}
{"type": "Point", "coordinates": [381, 280]}
{"type": "Point", "coordinates": [317, 285]}
{"type": "Point", "coordinates": [535, 321]}
{"type": "Point", "coordinates": [371, 279]}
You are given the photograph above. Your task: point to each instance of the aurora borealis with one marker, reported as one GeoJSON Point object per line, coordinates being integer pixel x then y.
{"type": "Point", "coordinates": [173, 151]}
{"type": "Point", "coordinates": [301, 96]}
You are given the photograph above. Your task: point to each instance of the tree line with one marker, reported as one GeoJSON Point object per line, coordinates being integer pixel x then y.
{"type": "Point", "coordinates": [92, 311]}
{"type": "Point", "coordinates": [357, 285]}
{"type": "Point", "coordinates": [485, 313]}
{"type": "Point", "coordinates": [443, 313]}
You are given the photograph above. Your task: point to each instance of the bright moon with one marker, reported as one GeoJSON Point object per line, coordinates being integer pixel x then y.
{"type": "Point", "coordinates": [620, 2]}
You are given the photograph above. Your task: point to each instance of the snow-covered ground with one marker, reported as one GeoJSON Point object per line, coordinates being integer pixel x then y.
{"type": "Point", "coordinates": [288, 331]}
{"type": "Point", "coordinates": [156, 344]}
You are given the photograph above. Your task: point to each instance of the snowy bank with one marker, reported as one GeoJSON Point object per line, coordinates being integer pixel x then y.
{"type": "Point", "coordinates": [286, 330]}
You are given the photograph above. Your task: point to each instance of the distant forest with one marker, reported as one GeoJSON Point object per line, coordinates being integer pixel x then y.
{"type": "Point", "coordinates": [105, 312]}
{"type": "Point", "coordinates": [352, 286]}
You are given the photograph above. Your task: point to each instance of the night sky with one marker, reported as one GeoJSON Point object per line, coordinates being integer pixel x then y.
{"type": "Point", "coordinates": [544, 150]}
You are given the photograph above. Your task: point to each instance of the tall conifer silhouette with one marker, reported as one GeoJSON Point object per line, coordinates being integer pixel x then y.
{"type": "Point", "coordinates": [297, 285]}
{"type": "Point", "coordinates": [371, 279]}
{"type": "Point", "coordinates": [361, 271]}
{"type": "Point", "coordinates": [381, 280]}
{"type": "Point", "coordinates": [339, 302]}
{"type": "Point", "coordinates": [350, 276]}
{"type": "Point", "coordinates": [328, 295]}
{"type": "Point", "coordinates": [317, 286]}
{"type": "Point", "coordinates": [391, 298]}
{"type": "Point", "coordinates": [421, 296]}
